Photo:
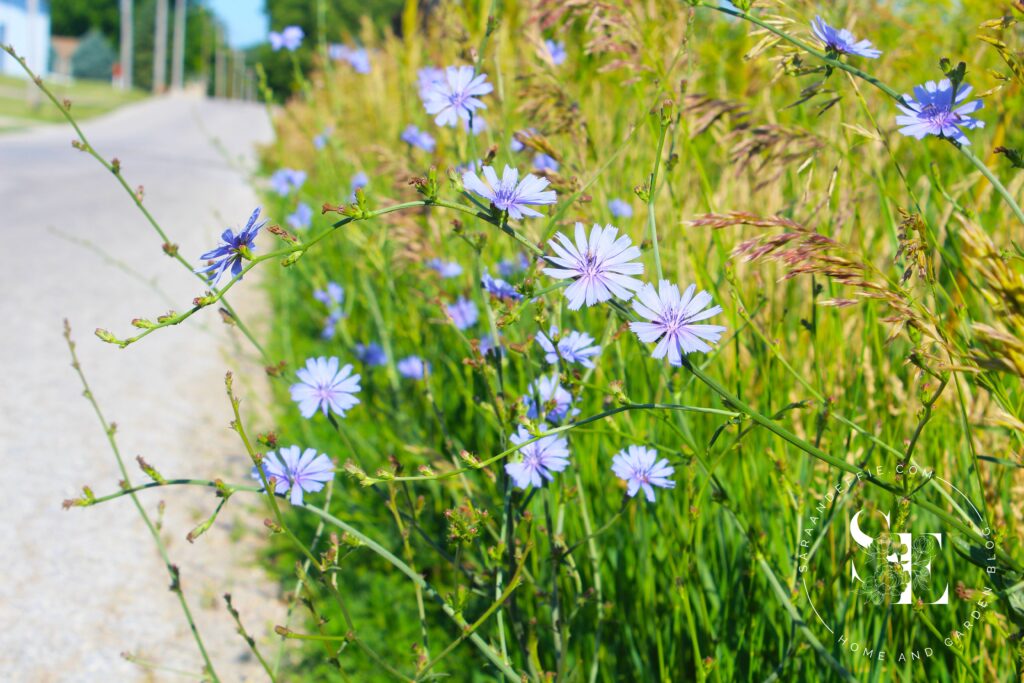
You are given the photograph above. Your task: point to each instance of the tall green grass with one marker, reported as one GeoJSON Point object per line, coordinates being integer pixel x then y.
{"type": "Point", "coordinates": [704, 584]}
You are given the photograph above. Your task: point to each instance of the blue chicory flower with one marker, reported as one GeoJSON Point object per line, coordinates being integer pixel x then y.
{"type": "Point", "coordinates": [571, 347]}
{"type": "Point", "coordinates": [295, 470]}
{"type": "Point", "coordinates": [411, 367]}
{"type": "Point", "coordinates": [322, 386]}
{"type": "Point", "coordinates": [539, 459]}
{"type": "Point", "coordinates": [546, 394]}
{"type": "Point", "coordinates": [463, 313]}
{"type": "Point", "coordinates": [620, 209]}
{"type": "Point", "coordinates": [842, 41]}
{"type": "Point", "coordinates": [321, 139]}
{"type": "Point", "coordinates": [454, 96]}
{"type": "Point", "coordinates": [499, 288]}
{"type": "Point", "coordinates": [557, 51]}
{"type": "Point", "coordinates": [639, 468]}
{"type": "Point", "coordinates": [414, 137]}
{"type": "Point", "coordinates": [510, 266]}
{"type": "Point", "coordinates": [301, 218]}
{"type": "Point", "coordinates": [371, 354]}
{"type": "Point", "coordinates": [510, 194]}
{"type": "Point", "coordinates": [446, 269]}
{"type": "Point", "coordinates": [287, 180]}
{"type": "Point", "coordinates": [231, 253]}
{"type": "Point", "coordinates": [289, 39]}
{"type": "Point", "coordinates": [602, 266]}
{"type": "Point", "coordinates": [543, 162]}
{"type": "Point", "coordinates": [933, 113]}
{"type": "Point", "coordinates": [358, 182]}
{"type": "Point", "coordinates": [672, 320]}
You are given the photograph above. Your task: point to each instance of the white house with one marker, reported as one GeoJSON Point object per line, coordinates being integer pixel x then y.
{"type": "Point", "coordinates": [25, 24]}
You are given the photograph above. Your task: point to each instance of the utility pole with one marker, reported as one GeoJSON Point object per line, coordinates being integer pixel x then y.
{"type": "Point", "coordinates": [127, 43]}
{"type": "Point", "coordinates": [178, 58]}
{"type": "Point", "coordinates": [219, 65]}
{"type": "Point", "coordinates": [160, 48]}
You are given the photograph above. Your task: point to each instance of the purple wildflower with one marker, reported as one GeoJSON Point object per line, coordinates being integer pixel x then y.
{"type": "Point", "coordinates": [841, 40]}
{"type": "Point", "coordinates": [359, 60]}
{"type": "Point", "coordinates": [932, 113]}
{"type": "Point", "coordinates": [486, 345]}
{"type": "Point", "coordinates": [463, 313]}
{"type": "Point", "coordinates": [637, 467]}
{"type": "Point", "coordinates": [323, 386]}
{"type": "Point", "coordinates": [371, 354]}
{"type": "Point", "coordinates": [446, 269]}
{"type": "Point", "coordinates": [543, 162]}
{"type": "Point", "coordinates": [287, 180]}
{"type": "Point", "coordinates": [557, 51]}
{"type": "Point", "coordinates": [332, 295]}
{"type": "Point", "coordinates": [539, 458]}
{"type": "Point", "coordinates": [302, 217]}
{"type": "Point", "coordinates": [672, 321]}
{"type": "Point", "coordinates": [358, 182]}
{"type": "Point", "coordinates": [510, 266]}
{"type": "Point", "coordinates": [510, 194]}
{"type": "Point", "coordinates": [620, 209]}
{"type": "Point", "coordinates": [321, 139]}
{"type": "Point", "coordinates": [412, 367]}
{"type": "Point", "coordinates": [414, 137]}
{"type": "Point", "coordinates": [296, 470]}
{"type": "Point", "coordinates": [571, 347]}
{"type": "Point", "coordinates": [499, 288]}
{"type": "Point", "coordinates": [546, 394]}
{"type": "Point", "coordinates": [234, 249]}
{"type": "Point", "coordinates": [426, 78]}
{"type": "Point", "coordinates": [290, 38]}
{"type": "Point", "coordinates": [602, 266]}
{"type": "Point", "coordinates": [454, 96]}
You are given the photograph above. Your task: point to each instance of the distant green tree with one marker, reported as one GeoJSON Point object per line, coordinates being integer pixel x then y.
{"type": "Point", "coordinates": [77, 17]}
{"type": "Point", "coordinates": [94, 58]}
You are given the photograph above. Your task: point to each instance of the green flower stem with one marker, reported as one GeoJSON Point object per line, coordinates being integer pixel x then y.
{"type": "Point", "coordinates": [863, 75]}
{"type": "Point", "coordinates": [652, 194]}
{"type": "Point", "coordinates": [172, 570]}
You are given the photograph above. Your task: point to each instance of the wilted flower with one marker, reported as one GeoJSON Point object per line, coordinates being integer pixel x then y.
{"type": "Point", "coordinates": [323, 386]}
{"type": "Point", "coordinates": [301, 217]}
{"type": "Point", "coordinates": [510, 266]}
{"type": "Point", "coordinates": [556, 50]}
{"type": "Point", "coordinates": [637, 467]}
{"type": "Point", "coordinates": [296, 470]}
{"type": "Point", "coordinates": [454, 96]}
{"type": "Point", "coordinates": [932, 113]}
{"type": "Point", "coordinates": [463, 313]}
{"type": "Point", "coordinates": [371, 354]}
{"type": "Point", "coordinates": [539, 459]}
{"type": "Point", "coordinates": [499, 288]}
{"type": "Point", "coordinates": [234, 249]}
{"type": "Point", "coordinates": [546, 394]}
{"type": "Point", "coordinates": [602, 266]}
{"type": "Point", "coordinates": [412, 367]}
{"type": "Point", "coordinates": [620, 209]}
{"type": "Point", "coordinates": [290, 38]}
{"type": "Point", "coordinates": [510, 194]}
{"type": "Point", "coordinates": [572, 347]}
{"type": "Point", "coordinates": [841, 40]}
{"type": "Point", "coordinates": [446, 269]}
{"type": "Point", "coordinates": [415, 137]}
{"type": "Point", "coordinates": [543, 162]}
{"type": "Point", "coordinates": [672, 320]}
{"type": "Point", "coordinates": [287, 180]}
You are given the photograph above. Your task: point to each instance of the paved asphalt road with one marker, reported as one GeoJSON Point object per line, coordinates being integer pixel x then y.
{"type": "Point", "coordinates": [79, 587]}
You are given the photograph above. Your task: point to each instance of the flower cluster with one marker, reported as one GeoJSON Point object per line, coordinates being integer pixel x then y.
{"type": "Point", "coordinates": [290, 38]}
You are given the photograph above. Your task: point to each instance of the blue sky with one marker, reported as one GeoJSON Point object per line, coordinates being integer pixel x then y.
{"type": "Point", "coordinates": [246, 22]}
